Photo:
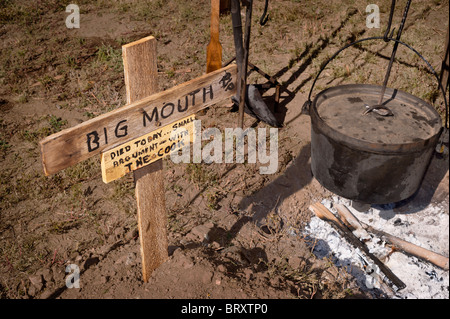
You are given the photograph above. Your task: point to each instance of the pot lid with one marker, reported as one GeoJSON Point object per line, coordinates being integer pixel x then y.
{"type": "Point", "coordinates": [342, 108]}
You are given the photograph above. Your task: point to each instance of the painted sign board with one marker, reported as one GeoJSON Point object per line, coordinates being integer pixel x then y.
{"type": "Point", "coordinates": [146, 149]}
{"type": "Point", "coordinates": [73, 145]}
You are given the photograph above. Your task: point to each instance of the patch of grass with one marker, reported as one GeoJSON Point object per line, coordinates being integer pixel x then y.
{"type": "Point", "coordinates": [4, 146]}
{"type": "Point", "coordinates": [82, 171]}
{"type": "Point", "coordinates": [62, 227]}
{"type": "Point", "coordinates": [107, 55]}
{"type": "Point", "coordinates": [122, 188]}
{"type": "Point", "coordinates": [17, 190]}
{"type": "Point", "coordinates": [22, 15]}
{"type": "Point", "coordinates": [19, 255]}
{"type": "Point", "coordinates": [187, 13]}
{"type": "Point", "coordinates": [175, 221]}
{"type": "Point", "coordinates": [149, 9]}
{"type": "Point", "coordinates": [122, 195]}
{"type": "Point", "coordinates": [306, 280]}
{"type": "Point", "coordinates": [341, 72]}
{"type": "Point", "coordinates": [76, 192]}
{"type": "Point", "coordinates": [200, 175]}
{"type": "Point", "coordinates": [212, 200]}
{"type": "Point", "coordinates": [54, 125]}
{"type": "Point", "coordinates": [71, 62]}
{"type": "Point", "coordinates": [14, 188]}
{"type": "Point", "coordinates": [24, 97]}
{"type": "Point", "coordinates": [49, 186]}
{"type": "Point", "coordinates": [89, 115]}
{"type": "Point", "coordinates": [431, 95]}
{"type": "Point", "coordinates": [46, 81]}
{"type": "Point", "coordinates": [312, 282]}
{"type": "Point", "coordinates": [170, 73]}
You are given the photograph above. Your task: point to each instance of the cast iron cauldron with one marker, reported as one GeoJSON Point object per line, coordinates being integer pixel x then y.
{"type": "Point", "coordinates": [371, 158]}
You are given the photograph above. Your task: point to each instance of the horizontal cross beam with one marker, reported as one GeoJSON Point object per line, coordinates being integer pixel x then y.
{"type": "Point", "coordinates": [73, 145]}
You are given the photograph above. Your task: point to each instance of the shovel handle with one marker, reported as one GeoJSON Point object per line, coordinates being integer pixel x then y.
{"type": "Point", "coordinates": [214, 48]}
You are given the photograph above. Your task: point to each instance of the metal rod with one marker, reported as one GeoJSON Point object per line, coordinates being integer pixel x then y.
{"type": "Point", "coordinates": [394, 51]}
{"type": "Point", "coordinates": [237, 35]}
{"type": "Point", "coordinates": [243, 74]}
{"type": "Point", "coordinates": [388, 29]}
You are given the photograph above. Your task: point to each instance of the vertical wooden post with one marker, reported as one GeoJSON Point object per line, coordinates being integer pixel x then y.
{"type": "Point", "coordinates": [141, 80]}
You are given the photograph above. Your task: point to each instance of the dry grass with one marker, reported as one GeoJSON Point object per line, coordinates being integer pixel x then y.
{"type": "Point", "coordinates": [84, 75]}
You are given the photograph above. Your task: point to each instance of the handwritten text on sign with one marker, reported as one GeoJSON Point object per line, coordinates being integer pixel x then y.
{"type": "Point", "coordinates": [146, 149]}
{"type": "Point", "coordinates": [89, 138]}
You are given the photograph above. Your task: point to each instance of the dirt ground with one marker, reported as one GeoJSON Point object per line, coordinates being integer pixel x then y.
{"type": "Point", "coordinates": [233, 232]}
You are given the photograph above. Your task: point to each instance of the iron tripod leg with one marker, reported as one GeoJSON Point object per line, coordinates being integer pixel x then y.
{"type": "Point", "coordinates": [248, 97]}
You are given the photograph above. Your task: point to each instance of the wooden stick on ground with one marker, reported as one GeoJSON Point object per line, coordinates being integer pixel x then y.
{"type": "Point", "coordinates": [141, 80]}
{"type": "Point", "coordinates": [323, 213]}
{"type": "Point", "coordinates": [403, 245]}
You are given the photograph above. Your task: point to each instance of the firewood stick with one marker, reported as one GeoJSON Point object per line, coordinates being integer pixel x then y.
{"type": "Point", "coordinates": [323, 213]}
{"type": "Point", "coordinates": [347, 217]}
{"type": "Point", "coordinates": [400, 244]}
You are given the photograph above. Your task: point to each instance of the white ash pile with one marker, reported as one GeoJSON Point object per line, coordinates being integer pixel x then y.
{"type": "Point", "coordinates": [427, 228]}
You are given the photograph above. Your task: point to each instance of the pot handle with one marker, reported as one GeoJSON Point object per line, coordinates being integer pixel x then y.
{"type": "Point", "coordinates": [306, 106]}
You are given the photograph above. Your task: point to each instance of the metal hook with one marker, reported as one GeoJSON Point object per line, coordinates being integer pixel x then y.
{"type": "Point", "coordinates": [388, 30]}
{"type": "Point", "coordinates": [379, 109]}
{"type": "Point", "coordinates": [265, 16]}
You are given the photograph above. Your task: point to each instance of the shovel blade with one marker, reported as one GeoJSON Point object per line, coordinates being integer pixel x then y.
{"type": "Point", "coordinates": [213, 56]}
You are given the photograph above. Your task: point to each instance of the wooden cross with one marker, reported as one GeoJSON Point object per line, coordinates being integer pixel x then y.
{"type": "Point", "coordinates": [145, 112]}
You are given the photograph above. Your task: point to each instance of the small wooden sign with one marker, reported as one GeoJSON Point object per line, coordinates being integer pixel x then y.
{"type": "Point", "coordinates": [73, 145]}
{"type": "Point", "coordinates": [146, 149]}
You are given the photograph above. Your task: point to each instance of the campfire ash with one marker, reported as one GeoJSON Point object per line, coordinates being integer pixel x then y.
{"type": "Point", "coordinates": [427, 228]}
